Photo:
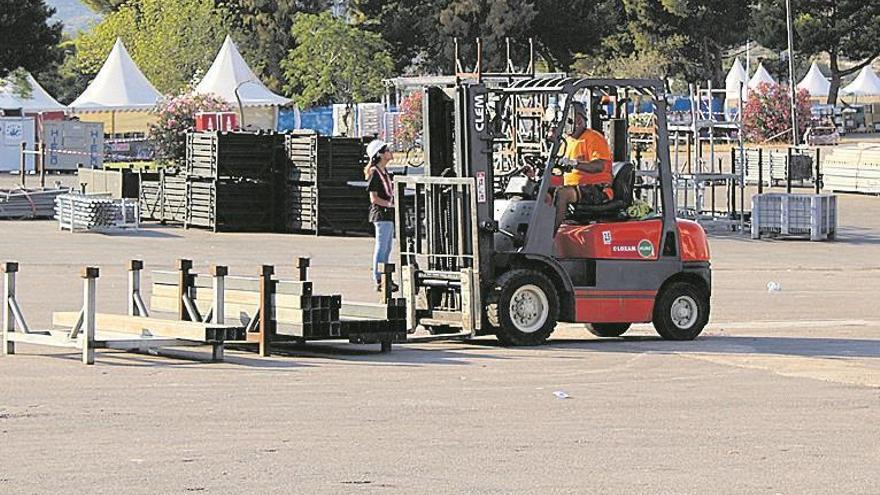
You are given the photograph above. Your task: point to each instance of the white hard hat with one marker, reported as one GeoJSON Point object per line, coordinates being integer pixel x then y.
{"type": "Point", "coordinates": [374, 147]}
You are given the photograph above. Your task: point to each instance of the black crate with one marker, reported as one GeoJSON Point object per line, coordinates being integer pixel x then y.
{"type": "Point", "coordinates": [231, 205]}
{"type": "Point", "coordinates": [219, 155]}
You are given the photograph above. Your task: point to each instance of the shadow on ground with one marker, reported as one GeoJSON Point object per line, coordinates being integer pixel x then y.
{"type": "Point", "coordinates": [290, 357]}
{"type": "Point", "coordinates": [784, 346]}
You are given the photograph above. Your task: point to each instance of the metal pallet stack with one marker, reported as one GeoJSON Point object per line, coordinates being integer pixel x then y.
{"type": "Point", "coordinates": [230, 179]}
{"type": "Point", "coordinates": [301, 201]}
{"type": "Point", "coordinates": [319, 198]}
{"type": "Point", "coordinates": [163, 197]}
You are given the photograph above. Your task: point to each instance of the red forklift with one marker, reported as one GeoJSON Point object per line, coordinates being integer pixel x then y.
{"type": "Point", "coordinates": [479, 256]}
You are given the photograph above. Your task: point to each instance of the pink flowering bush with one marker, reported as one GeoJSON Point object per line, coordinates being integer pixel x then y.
{"type": "Point", "coordinates": [767, 115]}
{"type": "Point", "coordinates": [176, 117]}
{"type": "Point", "coordinates": [410, 119]}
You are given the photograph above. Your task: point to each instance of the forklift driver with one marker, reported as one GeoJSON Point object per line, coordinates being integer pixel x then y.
{"type": "Point", "coordinates": [588, 155]}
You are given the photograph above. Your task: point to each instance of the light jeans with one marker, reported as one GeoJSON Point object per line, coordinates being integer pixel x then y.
{"type": "Point", "coordinates": [384, 237]}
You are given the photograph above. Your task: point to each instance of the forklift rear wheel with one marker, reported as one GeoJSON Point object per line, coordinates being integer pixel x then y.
{"type": "Point", "coordinates": [608, 329]}
{"type": "Point", "coordinates": [523, 307]}
{"type": "Point", "coordinates": [681, 311]}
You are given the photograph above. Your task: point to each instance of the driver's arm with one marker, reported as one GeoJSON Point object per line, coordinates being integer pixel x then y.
{"type": "Point", "coordinates": [591, 167]}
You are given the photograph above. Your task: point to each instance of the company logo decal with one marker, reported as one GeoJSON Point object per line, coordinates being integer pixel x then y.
{"type": "Point", "coordinates": [646, 248]}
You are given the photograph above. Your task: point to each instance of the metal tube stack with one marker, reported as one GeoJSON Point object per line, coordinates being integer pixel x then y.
{"type": "Point", "coordinates": [26, 204]}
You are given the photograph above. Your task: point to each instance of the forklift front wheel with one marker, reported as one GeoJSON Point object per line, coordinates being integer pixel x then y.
{"type": "Point", "coordinates": [681, 311]}
{"type": "Point", "coordinates": [608, 329]}
{"type": "Point", "coordinates": [523, 308]}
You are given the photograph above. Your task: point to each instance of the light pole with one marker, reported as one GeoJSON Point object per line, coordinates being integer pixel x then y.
{"type": "Point", "coordinates": [794, 127]}
{"type": "Point", "coordinates": [238, 98]}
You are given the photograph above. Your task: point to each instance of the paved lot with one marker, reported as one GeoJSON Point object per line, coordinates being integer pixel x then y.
{"type": "Point", "coordinates": [780, 394]}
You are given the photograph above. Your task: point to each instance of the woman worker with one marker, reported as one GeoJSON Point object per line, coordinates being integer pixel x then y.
{"type": "Point", "coordinates": [380, 186]}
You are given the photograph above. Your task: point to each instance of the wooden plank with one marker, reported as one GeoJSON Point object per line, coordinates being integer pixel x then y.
{"type": "Point", "coordinates": [232, 283]}
{"type": "Point", "coordinates": [164, 277]}
{"type": "Point", "coordinates": [164, 304]}
{"type": "Point", "coordinates": [139, 325]}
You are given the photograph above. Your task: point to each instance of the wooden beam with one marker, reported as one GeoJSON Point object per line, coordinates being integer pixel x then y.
{"type": "Point", "coordinates": [267, 325]}
{"type": "Point", "coordinates": [139, 325]}
{"type": "Point", "coordinates": [240, 297]}
{"type": "Point", "coordinates": [184, 282]}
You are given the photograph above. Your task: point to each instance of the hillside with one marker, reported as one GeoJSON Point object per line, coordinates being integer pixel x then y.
{"type": "Point", "coordinates": [73, 13]}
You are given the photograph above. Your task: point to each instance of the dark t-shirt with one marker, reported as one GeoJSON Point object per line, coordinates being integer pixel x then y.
{"type": "Point", "coordinates": [380, 213]}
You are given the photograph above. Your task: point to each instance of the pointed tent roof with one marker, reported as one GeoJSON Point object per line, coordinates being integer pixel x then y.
{"type": "Point", "coordinates": [736, 76]}
{"type": "Point", "coordinates": [119, 85]}
{"type": "Point", "coordinates": [815, 82]}
{"type": "Point", "coordinates": [228, 72]}
{"type": "Point", "coordinates": [761, 76]}
{"type": "Point", "coordinates": [866, 84]}
{"type": "Point", "coordinates": [39, 100]}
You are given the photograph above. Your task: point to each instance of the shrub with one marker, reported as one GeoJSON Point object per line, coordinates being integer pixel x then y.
{"type": "Point", "coordinates": [767, 115]}
{"type": "Point", "coordinates": [176, 117]}
{"type": "Point", "coordinates": [410, 119]}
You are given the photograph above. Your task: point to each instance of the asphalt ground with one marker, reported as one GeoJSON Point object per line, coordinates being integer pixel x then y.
{"type": "Point", "coordinates": [779, 395]}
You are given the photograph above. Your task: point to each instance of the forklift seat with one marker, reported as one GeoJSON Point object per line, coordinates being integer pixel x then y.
{"type": "Point", "coordinates": [623, 184]}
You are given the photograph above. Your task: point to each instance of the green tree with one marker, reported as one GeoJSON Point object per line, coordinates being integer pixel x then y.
{"type": "Point", "coordinates": [491, 21]}
{"type": "Point", "coordinates": [692, 36]}
{"type": "Point", "coordinates": [562, 29]}
{"type": "Point", "coordinates": [264, 28]}
{"type": "Point", "coordinates": [170, 40]}
{"type": "Point", "coordinates": [63, 80]}
{"type": "Point", "coordinates": [844, 29]}
{"type": "Point", "coordinates": [29, 40]}
{"type": "Point", "coordinates": [335, 62]}
{"type": "Point", "coordinates": [410, 28]}
{"type": "Point", "coordinates": [421, 32]}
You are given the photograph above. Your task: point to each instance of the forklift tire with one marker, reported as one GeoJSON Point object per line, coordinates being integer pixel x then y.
{"type": "Point", "coordinates": [523, 307]}
{"type": "Point", "coordinates": [608, 329]}
{"type": "Point", "coordinates": [681, 311]}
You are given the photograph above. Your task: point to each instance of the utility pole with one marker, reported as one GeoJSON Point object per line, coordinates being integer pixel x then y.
{"type": "Point", "coordinates": [791, 87]}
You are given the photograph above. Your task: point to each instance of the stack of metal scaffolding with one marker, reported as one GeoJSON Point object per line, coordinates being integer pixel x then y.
{"type": "Point", "coordinates": [231, 181]}
{"type": "Point", "coordinates": [25, 204]}
{"type": "Point", "coordinates": [95, 212]}
{"type": "Point", "coordinates": [164, 198]}
{"type": "Point", "coordinates": [318, 196]}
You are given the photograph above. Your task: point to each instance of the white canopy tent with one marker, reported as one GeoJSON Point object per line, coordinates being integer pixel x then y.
{"type": "Point", "coordinates": [815, 82]}
{"type": "Point", "coordinates": [231, 79]}
{"type": "Point", "coordinates": [736, 79]}
{"type": "Point", "coordinates": [38, 101]}
{"type": "Point", "coordinates": [119, 85]}
{"type": "Point", "coordinates": [761, 76]}
{"type": "Point", "coordinates": [120, 96]}
{"type": "Point", "coordinates": [866, 84]}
